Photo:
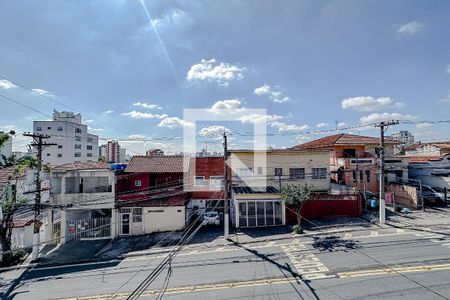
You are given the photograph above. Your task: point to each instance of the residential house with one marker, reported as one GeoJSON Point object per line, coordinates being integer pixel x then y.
{"type": "Point", "coordinates": [205, 183]}
{"type": "Point", "coordinates": [433, 171]}
{"type": "Point", "coordinates": [24, 186]}
{"type": "Point", "coordinates": [353, 160]}
{"type": "Point", "coordinates": [257, 177]}
{"type": "Point", "coordinates": [150, 195]}
{"type": "Point", "coordinates": [435, 149]}
{"type": "Point", "coordinates": [82, 199]}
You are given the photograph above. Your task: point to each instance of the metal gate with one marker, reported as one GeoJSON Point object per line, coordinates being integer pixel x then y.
{"type": "Point", "coordinates": [88, 229]}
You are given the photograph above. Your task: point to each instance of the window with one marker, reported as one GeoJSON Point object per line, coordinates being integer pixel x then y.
{"type": "Point", "coordinates": [59, 146]}
{"type": "Point", "coordinates": [77, 154]}
{"type": "Point", "coordinates": [349, 153]}
{"type": "Point", "coordinates": [297, 173]}
{"type": "Point", "coordinates": [77, 146]}
{"type": "Point", "coordinates": [49, 128]}
{"type": "Point", "coordinates": [59, 155]}
{"type": "Point", "coordinates": [260, 170]}
{"type": "Point", "coordinates": [216, 182]}
{"type": "Point", "coordinates": [354, 176]}
{"type": "Point", "coordinates": [48, 154]}
{"type": "Point", "coordinates": [89, 140]}
{"type": "Point", "coordinates": [137, 183]}
{"type": "Point", "coordinates": [89, 155]}
{"type": "Point", "coordinates": [59, 129]}
{"type": "Point", "coordinates": [137, 214]}
{"type": "Point", "coordinates": [77, 130]}
{"type": "Point", "coordinates": [368, 175]}
{"type": "Point", "coordinates": [243, 172]}
{"type": "Point", "coordinates": [89, 147]}
{"type": "Point", "coordinates": [319, 173]}
{"type": "Point", "coordinates": [200, 180]}
{"type": "Point", "coordinates": [78, 138]}
{"type": "Point", "coordinates": [278, 171]}
{"type": "Point", "coordinates": [38, 128]}
{"type": "Point", "coordinates": [361, 175]}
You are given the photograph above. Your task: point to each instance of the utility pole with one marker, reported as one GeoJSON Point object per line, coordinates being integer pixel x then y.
{"type": "Point", "coordinates": [39, 145]}
{"type": "Point", "coordinates": [226, 218]}
{"type": "Point", "coordinates": [383, 127]}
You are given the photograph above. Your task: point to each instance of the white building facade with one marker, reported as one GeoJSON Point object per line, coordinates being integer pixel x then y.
{"type": "Point", "coordinates": [74, 143]}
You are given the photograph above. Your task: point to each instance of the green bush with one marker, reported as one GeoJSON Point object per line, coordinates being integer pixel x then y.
{"type": "Point", "coordinates": [297, 229]}
{"type": "Point", "coordinates": [13, 257]}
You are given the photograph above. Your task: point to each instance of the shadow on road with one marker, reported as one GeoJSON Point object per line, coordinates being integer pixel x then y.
{"type": "Point", "coordinates": [334, 243]}
{"type": "Point", "coordinates": [286, 267]}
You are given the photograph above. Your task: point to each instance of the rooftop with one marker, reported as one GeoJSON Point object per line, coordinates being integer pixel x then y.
{"type": "Point", "coordinates": [6, 174]}
{"type": "Point", "coordinates": [341, 139]}
{"type": "Point", "coordinates": [157, 164]}
{"type": "Point", "coordinates": [249, 190]}
{"type": "Point", "coordinates": [88, 165]}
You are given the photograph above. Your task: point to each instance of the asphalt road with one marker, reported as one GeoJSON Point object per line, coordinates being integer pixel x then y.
{"type": "Point", "coordinates": [387, 263]}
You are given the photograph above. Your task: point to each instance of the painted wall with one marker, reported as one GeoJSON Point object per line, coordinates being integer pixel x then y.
{"type": "Point", "coordinates": [163, 218]}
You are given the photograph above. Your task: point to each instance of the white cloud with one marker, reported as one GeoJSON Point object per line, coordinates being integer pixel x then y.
{"type": "Point", "coordinates": [322, 125]}
{"type": "Point", "coordinates": [275, 94]}
{"type": "Point", "coordinates": [95, 129]}
{"type": "Point", "coordinates": [231, 105]}
{"type": "Point", "coordinates": [89, 121]}
{"type": "Point", "coordinates": [283, 127]}
{"type": "Point", "coordinates": [213, 131]}
{"type": "Point", "coordinates": [172, 18]}
{"type": "Point", "coordinates": [448, 69]}
{"type": "Point", "coordinates": [424, 125]}
{"type": "Point", "coordinates": [43, 92]}
{"type": "Point", "coordinates": [259, 118]}
{"type": "Point", "coordinates": [137, 136]}
{"type": "Point", "coordinates": [446, 99]}
{"type": "Point", "coordinates": [410, 28]}
{"type": "Point", "coordinates": [368, 103]}
{"type": "Point", "coordinates": [147, 105]}
{"type": "Point", "coordinates": [342, 124]}
{"type": "Point", "coordinates": [174, 122]}
{"type": "Point", "coordinates": [109, 111]}
{"type": "Point", "coordinates": [378, 117]}
{"type": "Point", "coordinates": [142, 115]}
{"type": "Point", "coordinates": [302, 138]}
{"type": "Point", "coordinates": [6, 84]}
{"type": "Point", "coordinates": [209, 70]}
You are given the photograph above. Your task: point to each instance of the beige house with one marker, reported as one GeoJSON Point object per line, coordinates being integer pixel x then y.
{"type": "Point", "coordinates": [257, 177]}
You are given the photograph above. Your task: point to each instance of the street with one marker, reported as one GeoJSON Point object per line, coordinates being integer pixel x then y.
{"type": "Point", "coordinates": [384, 263]}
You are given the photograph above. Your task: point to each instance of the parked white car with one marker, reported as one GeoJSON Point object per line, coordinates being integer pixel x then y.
{"type": "Point", "coordinates": [211, 218]}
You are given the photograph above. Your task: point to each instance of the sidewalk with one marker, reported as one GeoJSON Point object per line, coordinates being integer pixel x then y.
{"type": "Point", "coordinates": [432, 216]}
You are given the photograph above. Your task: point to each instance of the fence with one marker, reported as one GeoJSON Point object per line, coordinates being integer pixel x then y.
{"type": "Point", "coordinates": [88, 229]}
{"type": "Point", "coordinates": [327, 205]}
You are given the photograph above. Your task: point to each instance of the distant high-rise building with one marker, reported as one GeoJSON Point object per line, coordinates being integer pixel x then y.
{"type": "Point", "coordinates": [404, 137]}
{"type": "Point", "coordinates": [154, 152]}
{"type": "Point", "coordinates": [122, 155]}
{"type": "Point", "coordinates": [102, 150]}
{"type": "Point", "coordinates": [73, 141]}
{"type": "Point", "coordinates": [112, 152]}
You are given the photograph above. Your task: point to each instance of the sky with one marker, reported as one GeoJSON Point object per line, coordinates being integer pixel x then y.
{"type": "Point", "coordinates": [132, 67]}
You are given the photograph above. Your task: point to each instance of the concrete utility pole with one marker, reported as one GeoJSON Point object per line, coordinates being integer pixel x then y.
{"type": "Point", "coordinates": [226, 208]}
{"type": "Point", "coordinates": [383, 127]}
{"type": "Point", "coordinates": [39, 145]}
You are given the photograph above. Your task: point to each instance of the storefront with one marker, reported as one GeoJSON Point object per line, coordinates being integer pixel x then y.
{"type": "Point", "coordinates": [258, 209]}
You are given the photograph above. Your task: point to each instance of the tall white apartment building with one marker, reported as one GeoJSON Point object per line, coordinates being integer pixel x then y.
{"type": "Point", "coordinates": [403, 136]}
{"type": "Point", "coordinates": [73, 141]}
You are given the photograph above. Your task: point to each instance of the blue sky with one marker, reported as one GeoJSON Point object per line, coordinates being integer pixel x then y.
{"type": "Point", "coordinates": [308, 63]}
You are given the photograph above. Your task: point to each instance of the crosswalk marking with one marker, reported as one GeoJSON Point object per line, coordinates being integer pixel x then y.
{"type": "Point", "coordinates": [306, 263]}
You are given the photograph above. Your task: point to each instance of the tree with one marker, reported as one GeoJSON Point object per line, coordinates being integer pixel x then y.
{"type": "Point", "coordinates": [296, 195]}
{"type": "Point", "coordinates": [4, 137]}
{"type": "Point", "coordinates": [101, 159]}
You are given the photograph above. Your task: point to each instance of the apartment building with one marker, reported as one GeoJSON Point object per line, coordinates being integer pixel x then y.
{"type": "Point", "coordinates": [74, 143]}
{"type": "Point", "coordinates": [112, 152]}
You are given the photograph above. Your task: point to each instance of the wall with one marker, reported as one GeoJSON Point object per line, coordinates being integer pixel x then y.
{"type": "Point", "coordinates": [405, 195]}
{"type": "Point", "coordinates": [163, 218]}
{"type": "Point", "coordinates": [286, 160]}
{"type": "Point", "coordinates": [328, 206]}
